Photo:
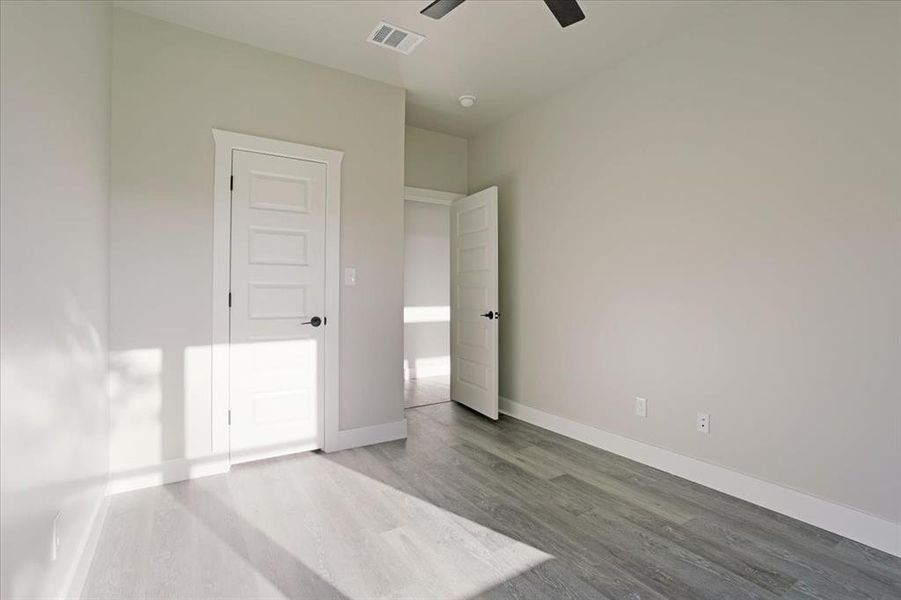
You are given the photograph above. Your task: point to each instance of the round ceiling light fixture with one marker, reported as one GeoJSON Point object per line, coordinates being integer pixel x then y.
{"type": "Point", "coordinates": [467, 100]}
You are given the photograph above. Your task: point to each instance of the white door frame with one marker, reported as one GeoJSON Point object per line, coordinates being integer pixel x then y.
{"type": "Point", "coordinates": [415, 194]}
{"type": "Point", "coordinates": [226, 142]}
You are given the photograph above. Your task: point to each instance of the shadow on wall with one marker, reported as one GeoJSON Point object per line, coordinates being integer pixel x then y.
{"type": "Point", "coordinates": [143, 429]}
{"type": "Point", "coordinates": [53, 436]}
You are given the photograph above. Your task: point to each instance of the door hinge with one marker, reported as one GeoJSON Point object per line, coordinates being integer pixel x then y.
{"type": "Point", "coordinates": [229, 417]}
{"type": "Point", "coordinates": [231, 182]}
{"type": "Point", "coordinates": [229, 299]}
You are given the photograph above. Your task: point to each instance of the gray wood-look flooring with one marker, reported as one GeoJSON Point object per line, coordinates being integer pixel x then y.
{"type": "Point", "coordinates": [426, 390]}
{"type": "Point", "coordinates": [468, 508]}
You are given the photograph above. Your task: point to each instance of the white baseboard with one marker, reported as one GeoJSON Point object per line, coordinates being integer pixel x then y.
{"type": "Point", "coordinates": [181, 469]}
{"type": "Point", "coordinates": [78, 574]}
{"type": "Point", "coordinates": [169, 471]}
{"type": "Point", "coordinates": [364, 436]}
{"type": "Point", "coordinates": [845, 521]}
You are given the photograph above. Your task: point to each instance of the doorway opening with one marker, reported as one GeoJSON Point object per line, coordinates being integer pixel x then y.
{"type": "Point", "coordinates": [427, 288]}
{"type": "Point", "coordinates": [451, 300]}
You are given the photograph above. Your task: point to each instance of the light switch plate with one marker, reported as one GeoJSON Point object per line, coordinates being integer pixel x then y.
{"type": "Point", "coordinates": [641, 407]}
{"type": "Point", "coordinates": [350, 276]}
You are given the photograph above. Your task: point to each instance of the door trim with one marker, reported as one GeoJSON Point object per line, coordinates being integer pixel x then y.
{"type": "Point", "coordinates": [415, 194]}
{"type": "Point", "coordinates": [225, 143]}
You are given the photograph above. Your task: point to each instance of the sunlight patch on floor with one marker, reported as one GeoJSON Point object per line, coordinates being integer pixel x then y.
{"type": "Point", "coordinates": [374, 540]}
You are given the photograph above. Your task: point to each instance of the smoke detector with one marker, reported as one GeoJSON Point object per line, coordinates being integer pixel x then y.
{"type": "Point", "coordinates": [394, 37]}
{"type": "Point", "coordinates": [467, 100]}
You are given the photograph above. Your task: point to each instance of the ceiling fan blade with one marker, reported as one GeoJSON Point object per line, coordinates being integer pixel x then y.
{"type": "Point", "coordinates": [566, 11]}
{"type": "Point", "coordinates": [439, 8]}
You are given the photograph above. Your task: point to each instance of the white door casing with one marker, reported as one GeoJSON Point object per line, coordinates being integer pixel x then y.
{"type": "Point", "coordinates": [474, 302]}
{"type": "Point", "coordinates": [275, 247]}
{"type": "Point", "coordinates": [277, 305]}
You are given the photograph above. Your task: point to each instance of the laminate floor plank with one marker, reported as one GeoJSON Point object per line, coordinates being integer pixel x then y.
{"type": "Point", "coordinates": [626, 469]}
{"type": "Point", "coordinates": [709, 550]}
{"type": "Point", "coordinates": [426, 390]}
{"type": "Point", "coordinates": [813, 573]}
{"type": "Point", "coordinates": [468, 508]}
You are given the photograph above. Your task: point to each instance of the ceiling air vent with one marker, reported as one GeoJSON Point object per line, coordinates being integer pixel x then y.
{"type": "Point", "coordinates": [395, 38]}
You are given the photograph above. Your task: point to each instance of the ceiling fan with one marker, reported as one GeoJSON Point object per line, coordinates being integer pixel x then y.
{"type": "Point", "coordinates": [567, 12]}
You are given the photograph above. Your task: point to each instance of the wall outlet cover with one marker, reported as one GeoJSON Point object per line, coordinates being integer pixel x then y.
{"type": "Point", "coordinates": [703, 422]}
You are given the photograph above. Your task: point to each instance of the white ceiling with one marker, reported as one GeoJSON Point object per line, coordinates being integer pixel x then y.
{"type": "Point", "coordinates": [508, 53]}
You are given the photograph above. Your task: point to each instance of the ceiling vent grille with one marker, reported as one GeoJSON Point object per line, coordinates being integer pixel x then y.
{"type": "Point", "coordinates": [395, 38]}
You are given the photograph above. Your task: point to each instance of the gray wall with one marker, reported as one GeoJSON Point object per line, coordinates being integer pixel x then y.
{"type": "Point", "coordinates": [171, 86]}
{"type": "Point", "coordinates": [435, 161]}
{"type": "Point", "coordinates": [714, 225]}
{"type": "Point", "coordinates": [54, 201]}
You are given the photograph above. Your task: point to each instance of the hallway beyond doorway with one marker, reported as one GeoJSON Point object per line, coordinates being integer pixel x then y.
{"type": "Point", "coordinates": [426, 390]}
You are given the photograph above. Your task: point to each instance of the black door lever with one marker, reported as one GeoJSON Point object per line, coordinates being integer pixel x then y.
{"type": "Point", "coordinates": [491, 314]}
{"type": "Point", "coordinates": [315, 322]}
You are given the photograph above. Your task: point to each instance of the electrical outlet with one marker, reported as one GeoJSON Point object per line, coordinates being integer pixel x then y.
{"type": "Point", "coordinates": [704, 422]}
{"type": "Point", "coordinates": [641, 407]}
{"type": "Point", "coordinates": [54, 542]}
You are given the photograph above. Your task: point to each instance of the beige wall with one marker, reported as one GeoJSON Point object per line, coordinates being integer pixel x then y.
{"type": "Point", "coordinates": [435, 161]}
{"type": "Point", "coordinates": [713, 224]}
{"type": "Point", "coordinates": [171, 86]}
{"type": "Point", "coordinates": [54, 201]}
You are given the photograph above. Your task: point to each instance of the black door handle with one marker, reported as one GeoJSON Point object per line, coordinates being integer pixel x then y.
{"type": "Point", "coordinates": [491, 315]}
{"type": "Point", "coordinates": [315, 322]}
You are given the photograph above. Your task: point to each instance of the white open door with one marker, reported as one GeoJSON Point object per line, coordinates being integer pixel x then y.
{"type": "Point", "coordinates": [474, 306]}
{"type": "Point", "coordinates": [277, 305]}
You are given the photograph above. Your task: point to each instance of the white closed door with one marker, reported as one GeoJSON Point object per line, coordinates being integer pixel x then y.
{"type": "Point", "coordinates": [277, 303]}
{"type": "Point", "coordinates": [474, 304]}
